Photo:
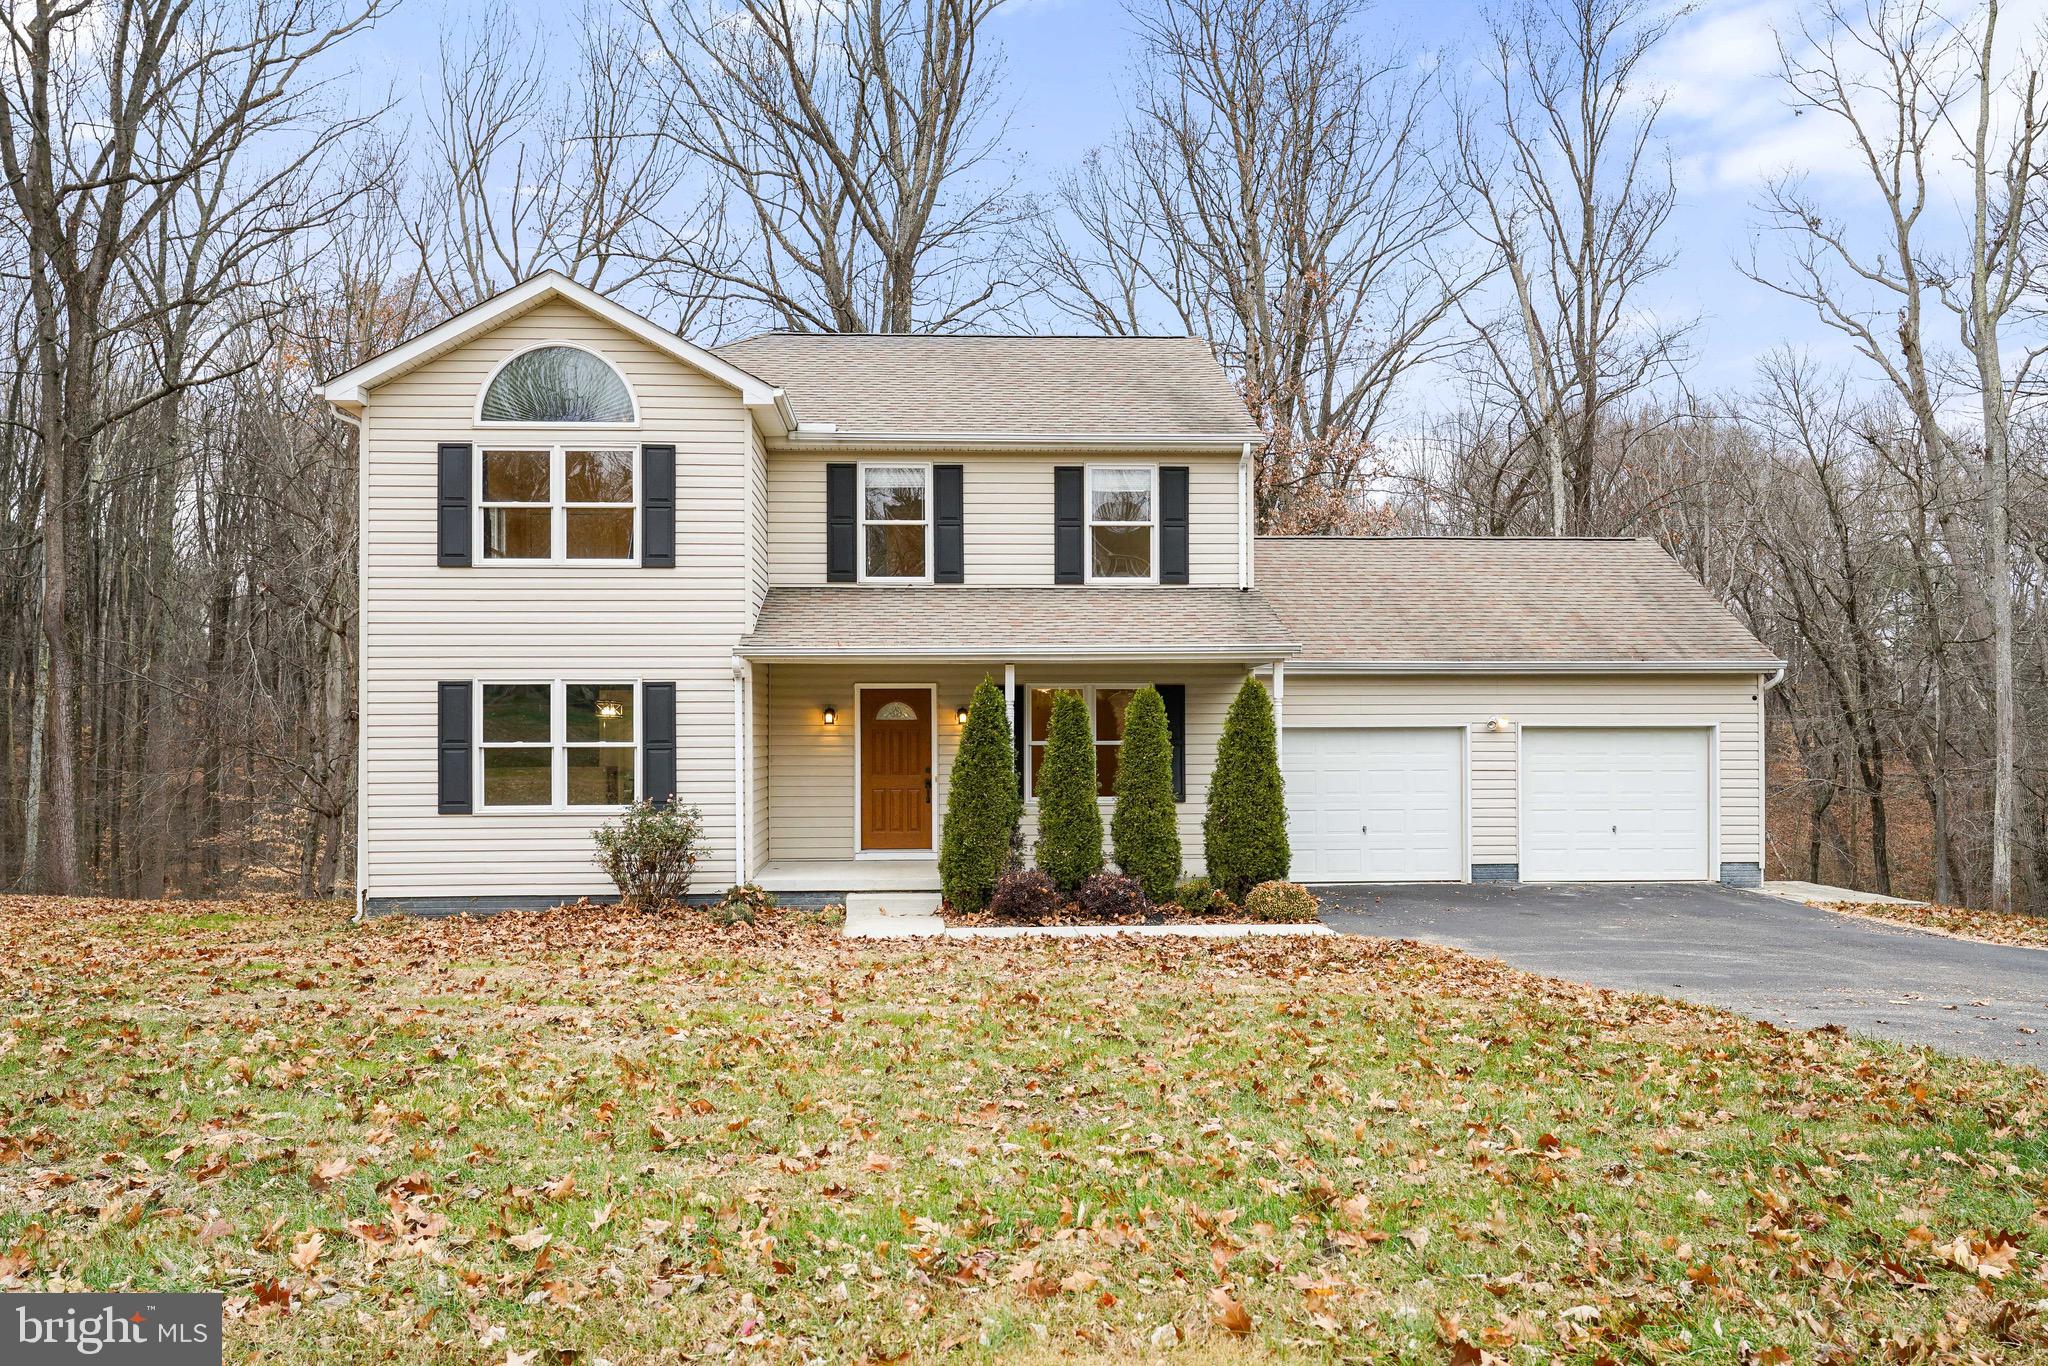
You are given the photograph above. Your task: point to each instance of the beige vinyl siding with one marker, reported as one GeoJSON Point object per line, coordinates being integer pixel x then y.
{"type": "Point", "coordinates": [760, 839]}
{"type": "Point", "coordinates": [1007, 512]}
{"type": "Point", "coordinates": [424, 624]}
{"type": "Point", "coordinates": [810, 773]}
{"type": "Point", "coordinates": [757, 523]}
{"type": "Point", "coordinates": [1538, 700]}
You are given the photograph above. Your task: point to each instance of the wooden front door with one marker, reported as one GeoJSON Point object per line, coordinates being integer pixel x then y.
{"type": "Point", "coordinates": [895, 768]}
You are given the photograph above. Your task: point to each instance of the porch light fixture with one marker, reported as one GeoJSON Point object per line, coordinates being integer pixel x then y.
{"type": "Point", "coordinates": [831, 716]}
{"type": "Point", "coordinates": [1499, 724]}
{"type": "Point", "coordinates": [960, 715]}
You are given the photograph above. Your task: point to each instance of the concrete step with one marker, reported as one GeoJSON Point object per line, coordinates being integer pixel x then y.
{"type": "Point", "coordinates": [892, 915]}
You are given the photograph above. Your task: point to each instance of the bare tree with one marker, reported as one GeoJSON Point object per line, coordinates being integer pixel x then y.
{"type": "Point", "coordinates": [1569, 188]}
{"type": "Point", "coordinates": [860, 144]}
{"type": "Point", "coordinates": [1278, 192]}
{"type": "Point", "coordinates": [108, 114]}
{"type": "Point", "coordinates": [531, 164]}
{"type": "Point", "coordinates": [1913, 92]}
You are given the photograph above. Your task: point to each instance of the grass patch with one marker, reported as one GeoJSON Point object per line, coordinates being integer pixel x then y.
{"type": "Point", "coordinates": [594, 1134]}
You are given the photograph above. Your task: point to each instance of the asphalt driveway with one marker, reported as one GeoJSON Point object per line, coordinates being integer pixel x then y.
{"type": "Point", "coordinates": [1776, 960]}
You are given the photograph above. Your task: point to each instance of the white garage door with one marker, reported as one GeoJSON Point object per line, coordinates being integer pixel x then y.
{"type": "Point", "coordinates": [1376, 805]}
{"type": "Point", "coordinates": [1615, 805]}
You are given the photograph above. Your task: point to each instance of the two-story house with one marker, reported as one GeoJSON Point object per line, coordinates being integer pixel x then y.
{"type": "Point", "coordinates": [600, 563]}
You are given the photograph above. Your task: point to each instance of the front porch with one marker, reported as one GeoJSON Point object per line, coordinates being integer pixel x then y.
{"type": "Point", "coordinates": [853, 700]}
{"type": "Point", "coordinates": [836, 877]}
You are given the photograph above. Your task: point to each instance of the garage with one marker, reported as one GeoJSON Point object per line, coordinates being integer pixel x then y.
{"type": "Point", "coordinates": [1376, 805]}
{"type": "Point", "coordinates": [1617, 804]}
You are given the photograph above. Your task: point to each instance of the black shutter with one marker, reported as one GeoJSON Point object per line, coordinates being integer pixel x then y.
{"type": "Point", "coordinates": [657, 507]}
{"type": "Point", "coordinates": [1175, 696]}
{"type": "Point", "coordinates": [657, 742]}
{"type": "Point", "coordinates": [1068, 528]}
{"type": "Point", "coordinates": [452, 516]}
{"type": "Point", "coordinates": [842, 527]}
{"type": "Point", "coordinates": [949, 531]}
{"type": "Point", "coordinates": [1173, 523]}
{"type": "Point", "coordinates": [1017, 732]}
{"type": "Point", "coordinates": [453, 749]}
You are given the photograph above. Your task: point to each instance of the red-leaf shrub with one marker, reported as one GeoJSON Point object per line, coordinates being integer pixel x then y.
{"type": "Point", "coordinates": [1025, 894]}
{"type": "Point", "coordinates": [1112, 896]}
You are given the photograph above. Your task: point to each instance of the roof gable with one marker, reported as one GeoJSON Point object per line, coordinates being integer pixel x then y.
{"type": "Point", "coordinates": [351, 388]}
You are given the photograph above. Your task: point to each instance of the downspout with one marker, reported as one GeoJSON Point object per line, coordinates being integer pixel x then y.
{"type": "Point", "coordinates": [1245, 577]}
{"type": "Point", "coordinates": [1763, 771]}
{"type": "Point", "coordinates": [361, 425]}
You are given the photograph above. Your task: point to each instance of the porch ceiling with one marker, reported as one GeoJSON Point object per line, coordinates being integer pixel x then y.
{"type": "Point", "coordinates": [965, 622]}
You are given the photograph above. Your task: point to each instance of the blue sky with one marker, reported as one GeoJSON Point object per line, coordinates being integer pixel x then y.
{"type": "Point", "coordinates": [1727, 123]}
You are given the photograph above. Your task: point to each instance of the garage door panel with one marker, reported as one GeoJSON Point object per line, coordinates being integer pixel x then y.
{"type": "Point", "coordinates": [1616, 804]}
{"type": "Point", "coordinates": [1376, 805]}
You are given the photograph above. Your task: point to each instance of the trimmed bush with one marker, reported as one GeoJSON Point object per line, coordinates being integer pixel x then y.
{"type": "Point", "coordinates": [1025, 894]}
{"type": "Point", "coordinates": [983, 805]}
{"type": "Point", "coordinates": [1281, 901]}
{"type": "Point", "coordinates": [1069, 821]}
{"type": "Point", "coordinates": [650, 853]}
{"type": "Point", "coordinates": [1112, 896]}
{"type": "Point", "coordinates": [1196, 896]}
{"type": "Point", "coordinates": [1144, 832]}
{"type": "Point", "coordinates": [1245, 830]}
{"type": "Point", "coordinates": [742, 905]}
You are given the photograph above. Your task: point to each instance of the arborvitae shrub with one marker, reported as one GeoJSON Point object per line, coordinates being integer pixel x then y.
{"type": "Point", "coordinates": [1244, 834]}
{"type": "Point", "coordinates": [1069, 821]}
{"type": "Point", "coordinates": [982, 804]}
{"type": "Point", "coordinates": [1145, 831]}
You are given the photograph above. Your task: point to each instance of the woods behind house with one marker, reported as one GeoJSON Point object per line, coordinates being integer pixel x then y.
{"type": "Point", "coordinates": [1441, 295]}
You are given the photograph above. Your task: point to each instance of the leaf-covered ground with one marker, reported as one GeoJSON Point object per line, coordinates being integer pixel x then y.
{"type": "Point", "coordinates": [592, 1136]}
{"type": "Point", "coordinates": [1992, 927]}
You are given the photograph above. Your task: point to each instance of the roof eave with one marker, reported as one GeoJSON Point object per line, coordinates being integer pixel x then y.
{"type": "Point", "coordinates": [1257, 650]}
{"type": "Point", "coordinates": [1164, 441]}
{"type": "Point", "coordinates": [1528, 666]}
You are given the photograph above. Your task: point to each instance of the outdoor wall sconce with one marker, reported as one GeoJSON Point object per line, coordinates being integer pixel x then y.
{"type": "Point", "coordinates": [1499, 724]}
{"type": "Point", "coordinates": [960, 715]}
{"type": "Point", "coordinates": [831, 716]}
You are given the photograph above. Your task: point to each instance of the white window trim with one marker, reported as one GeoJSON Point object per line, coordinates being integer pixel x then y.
{"type": "Point", "coordinates": [476, 415]}
{"type": "Point", "coordinates": [1087, 691]}
{"type": "Point", "coordinates": [1088, 523]}
{"type": "Point", "coordinates": [862, 522]}
{"type": "Point", "coordinates": [557, 743]}
{"type": "Point", "coordinates": [558, 506]}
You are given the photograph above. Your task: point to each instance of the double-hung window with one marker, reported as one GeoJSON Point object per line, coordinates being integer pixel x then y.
{"type": "Point", "coordinates": [1106, 708]}
{"type": "Point", "coordinates": [557, 744]}
{"type": "Point", "coordinates": [895, 523]}
{"type": "Point", "coordinates": [1123, 523]}
{"type": "Point", "coordinates": [558, 504]}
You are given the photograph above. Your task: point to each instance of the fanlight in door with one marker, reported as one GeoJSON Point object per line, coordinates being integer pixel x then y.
{"type": "Point", "coordinates": [895, 711]}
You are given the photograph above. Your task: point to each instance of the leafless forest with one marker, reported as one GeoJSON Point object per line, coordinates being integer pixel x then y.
{"type": "Point", "coordinates": [1434, 289]}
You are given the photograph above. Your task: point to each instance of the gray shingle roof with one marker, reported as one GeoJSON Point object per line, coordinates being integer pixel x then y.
{"type": "Point", "coordinates": [1543, 602]}
{"type": "Point", "coordinates": [1017, 623]}
{"type": "Point", "coordinates": [997, 386]}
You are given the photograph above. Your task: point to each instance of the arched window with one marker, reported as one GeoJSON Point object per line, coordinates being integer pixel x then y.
{"type": "Point", "coordinates": [556, 384]}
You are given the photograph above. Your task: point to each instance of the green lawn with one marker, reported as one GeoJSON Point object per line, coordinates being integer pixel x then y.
{"type": "Point", "coordinates": [589, 1135]}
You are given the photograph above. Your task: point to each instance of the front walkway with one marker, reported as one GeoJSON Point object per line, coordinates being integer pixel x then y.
{"type": "Point", "coordinates": [1791, 964]}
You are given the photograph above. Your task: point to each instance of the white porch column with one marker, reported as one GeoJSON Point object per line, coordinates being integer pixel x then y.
{"type": "Point", "coordinates": [1010, 693]}
{"type": "Point", "coordinates": [1279, 711]}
